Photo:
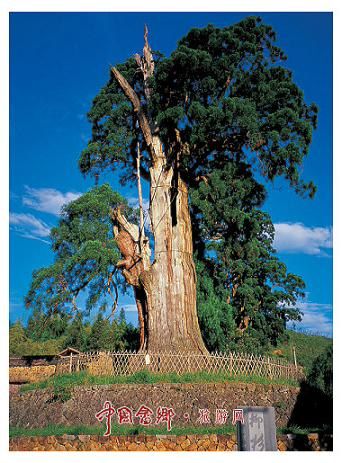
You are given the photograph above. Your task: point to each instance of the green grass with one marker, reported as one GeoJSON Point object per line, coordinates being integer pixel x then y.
{"type": "Point", "coordinates": [308, 348]}
{"type": "Point", "coordinates": [62, 382]}
{"type": "Point", "coordinates": [56, 430]}
{"type": "Point", "coordinates": [124, 430]}
{"type": "Point", "coordinates": [303, 431]}
{"type": "Point", "coordinates": [119, 430]}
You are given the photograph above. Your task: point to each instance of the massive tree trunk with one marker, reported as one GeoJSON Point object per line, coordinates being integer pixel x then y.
{"type": "Point", "coordinates": [165, 290]}
{"type": "Point", "coordinates": [170, 284]}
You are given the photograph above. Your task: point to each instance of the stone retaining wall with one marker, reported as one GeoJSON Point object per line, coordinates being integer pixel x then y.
{"type": "Point", "coordinates": [211, 442]}
{"type": "Point", "coordinates": [40, 408]}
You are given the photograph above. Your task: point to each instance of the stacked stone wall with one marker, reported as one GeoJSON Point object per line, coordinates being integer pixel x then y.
{"type": "Point", "coordinates": [79, 405]}
{"type": "Point", "coordinates": [140, 443]}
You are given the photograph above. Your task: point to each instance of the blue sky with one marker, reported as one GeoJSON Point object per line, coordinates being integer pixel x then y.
{"type": "Point", "coordinates": [58, 63]}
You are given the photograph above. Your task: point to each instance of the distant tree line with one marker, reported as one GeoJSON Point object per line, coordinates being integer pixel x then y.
{"type": "Point", "coordinates": [49, 335]}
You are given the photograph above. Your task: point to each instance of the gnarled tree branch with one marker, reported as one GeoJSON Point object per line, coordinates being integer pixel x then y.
{"type": "Point", "coordinates": [142, 119]}
{"type": "Point", "coordinates": [136, 253]}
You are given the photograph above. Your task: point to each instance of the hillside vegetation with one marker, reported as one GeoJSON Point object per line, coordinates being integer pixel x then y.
{"type": "Point", "coordinates": [308, 348]}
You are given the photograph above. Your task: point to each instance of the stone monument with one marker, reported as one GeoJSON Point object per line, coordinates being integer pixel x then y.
{"type": "Point", "coordinates": [256, 429]}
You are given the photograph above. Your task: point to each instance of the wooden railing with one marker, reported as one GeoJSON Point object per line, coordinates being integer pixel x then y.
{"type": "Point", "coordinates": [130, 362]}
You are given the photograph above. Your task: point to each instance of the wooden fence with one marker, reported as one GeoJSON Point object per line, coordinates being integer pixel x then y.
{"type": "Point", "coordinates": [127, 363]}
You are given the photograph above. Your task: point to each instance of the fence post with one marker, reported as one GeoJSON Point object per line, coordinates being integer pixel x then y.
{"type": "Point", "coordinates": [294, 357]}
{"type": "Point", "coordinates": [269, 367]}
{"type": "Point", "coordinates": [231, 363]}
{"type": "Point", "coordinates": [70, 363]}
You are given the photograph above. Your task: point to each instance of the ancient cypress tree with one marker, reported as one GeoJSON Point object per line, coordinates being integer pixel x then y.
{"type": "Point", "coordinates": [221, 104]}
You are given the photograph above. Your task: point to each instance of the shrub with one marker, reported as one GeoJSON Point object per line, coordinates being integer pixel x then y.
{"type": "Point", "coordinates": [321, 373]}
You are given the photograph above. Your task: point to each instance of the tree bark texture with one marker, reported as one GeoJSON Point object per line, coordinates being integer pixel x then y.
{"type": "Point", "coordinates": [165, 290]}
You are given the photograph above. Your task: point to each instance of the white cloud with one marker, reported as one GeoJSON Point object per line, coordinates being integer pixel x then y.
{"type": "Point", "coordinates": [47, 199]}
{"type": "Point", "coordinates": [317, 317]}
{"type": "Point", "coordinates": [130, 308]}
{"type": "Point", "coordinates": [28, 226]}
{"type": "Point", "coordinates": [297, 238]}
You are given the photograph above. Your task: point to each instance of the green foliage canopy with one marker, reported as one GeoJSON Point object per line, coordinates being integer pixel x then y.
{"type": "Point", "coordinates": [238, 255]}
{"type": "Point", "coordinates": [86, 256]}
{"type": "Point", "coordinates": [227, 93]}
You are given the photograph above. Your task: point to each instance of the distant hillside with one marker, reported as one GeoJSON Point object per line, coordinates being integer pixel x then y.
{"type": "Point", "coordinates": [308, 347]}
